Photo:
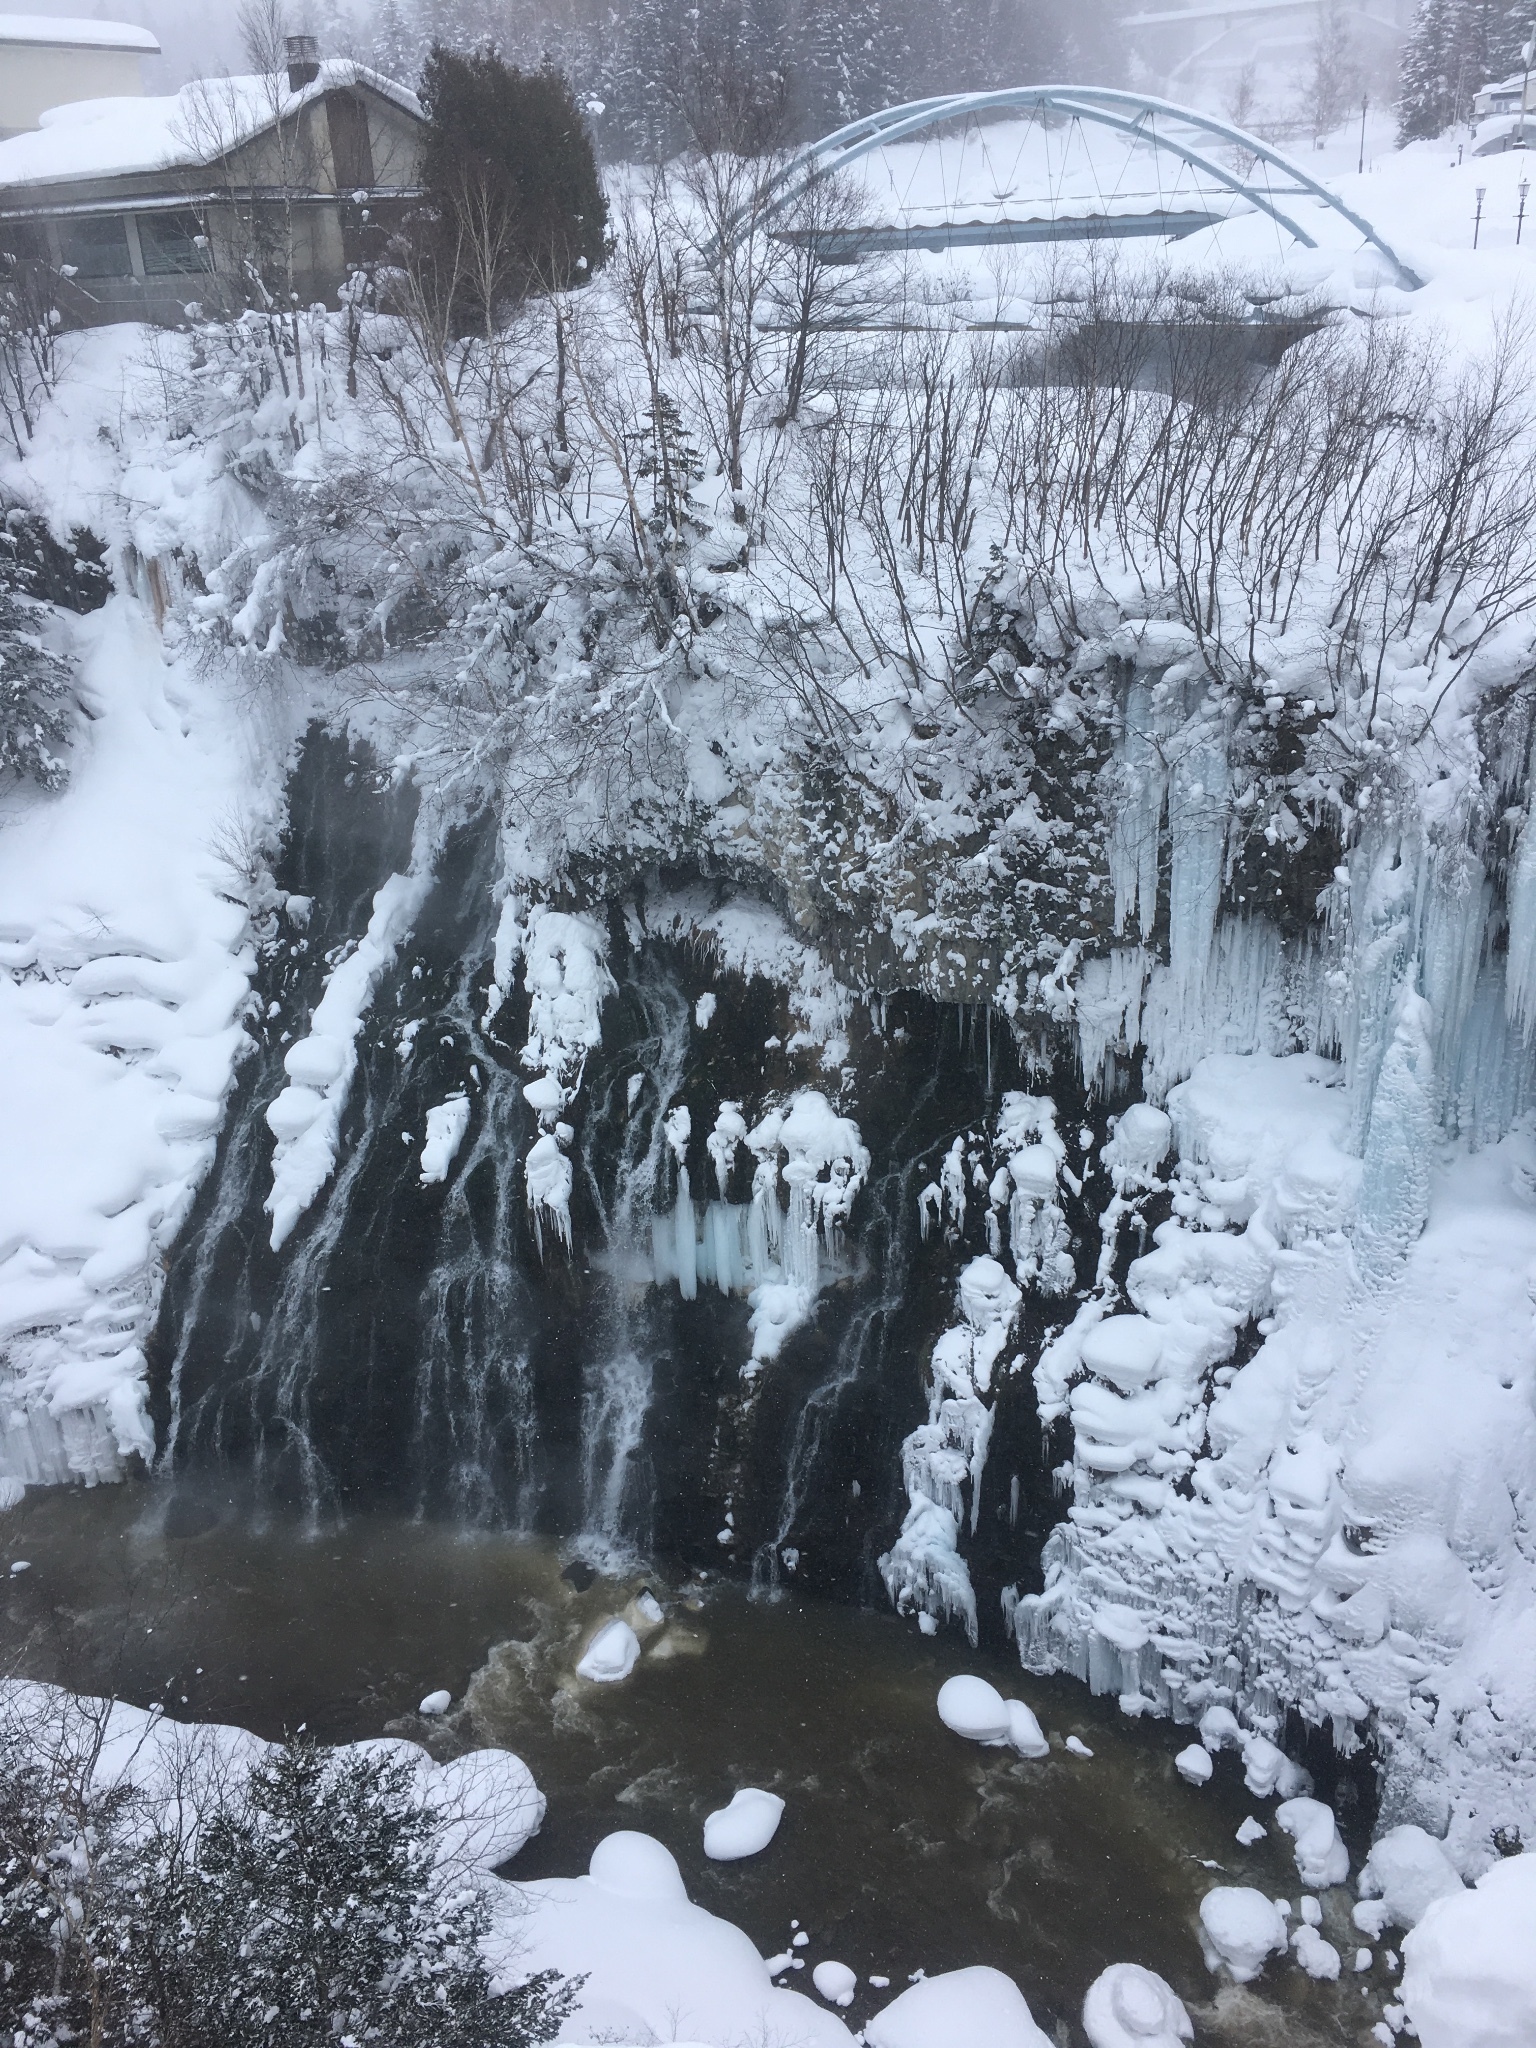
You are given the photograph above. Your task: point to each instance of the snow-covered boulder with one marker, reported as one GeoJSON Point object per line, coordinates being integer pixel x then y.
{"type": "Point", "coordinates": [1321, 1858]}
{"type": "Point", "coordinates": [1405, 1872]}
{"type": "Point", "coordinates": [960, 2009]}
{"type": "Point", "coordinates": [1025, 1735]}
{"type": "Point", "coordinates": [1319, 1958]}
{"type": "Point", "coordinates": [836, 1982]}
{"type": "Point", "coordinates": [973, 1708]}
{"type": "Point", "coordinates": [1194, 1765]}
{"type": "Point", "coordinates": [745, 1827]}
{"type": "Point", "coordinates": [611, 1654]}
{"type": "Point", "coordinates": [1129, 2007]}
{"type": "Point", "coordinates": [1239, 1929]}
{"type": "Point", "coordinates": [1469, 1977]}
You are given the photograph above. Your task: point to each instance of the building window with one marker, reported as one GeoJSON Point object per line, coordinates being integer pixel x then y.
{"type": "Point", "coordinates": [96, 245]}
{"type": "Point", "coordinates": [351, 151]}
{"type": "Point", "coordinates": [172, 244]}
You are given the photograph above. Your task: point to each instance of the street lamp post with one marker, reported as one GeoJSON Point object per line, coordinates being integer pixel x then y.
{"type": "Point", "coordinates": [1523, 188]}
{"type": "Point", "coordinates": [1527, 54]}
{"type": "Point", "coordinates": [1477, 218]}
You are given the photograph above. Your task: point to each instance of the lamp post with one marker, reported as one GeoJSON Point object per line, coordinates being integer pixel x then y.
{"type": "Point", "coordinates": [1523, 188]}
{"type": "Point", "coordinates": [1527, 53]}
{"type": "Point", "coordinates": [1477, 218]}
{"type": "Point", "coordinates": [1364, 103]}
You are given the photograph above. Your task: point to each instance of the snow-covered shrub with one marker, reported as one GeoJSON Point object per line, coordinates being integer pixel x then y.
{"type": "Point", "coordinates": [167, 1894]}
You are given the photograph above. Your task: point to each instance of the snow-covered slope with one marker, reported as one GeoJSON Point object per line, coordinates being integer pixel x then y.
{"type": "Point", "coordinates": [125, 935]}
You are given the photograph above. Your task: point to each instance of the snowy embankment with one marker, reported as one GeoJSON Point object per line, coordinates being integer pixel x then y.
{"type": "Point", "coordinates": [1344, 1512]}
{"type": "Point", "coordinates": [127, 948]}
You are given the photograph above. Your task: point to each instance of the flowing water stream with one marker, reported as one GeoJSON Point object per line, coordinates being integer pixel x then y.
{"type": "Point", "coordinates": [902, 1847]}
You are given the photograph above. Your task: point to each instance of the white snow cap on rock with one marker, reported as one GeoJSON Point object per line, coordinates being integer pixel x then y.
{"type": "Point", "coordinates": [436, 1703]}
{"type": "Point", "coordinates": [1194, 1765]}
{"type": "Point", "coordinates": [745, 1827]}
{"type": "Point", "coordinates": [973, 1708]}
{"type": "Point", "coordinates": [446, 1124]}
{"type": "Point", "coordinates": [1129, 2007]}
{"type": "Point", "coordinates": [1321, 1858]}
{"type": "Point", "coordinates": [1406, 1871]}
{"type": "Point", "coordinates": [1239, 1929]}
{"type": "Point", "coordinates": [836, 1982]}
{"type": "Point", "coordinates": [960, 2009]}
{"type": "Point", "coordinates": [1469, 1977]}
{"type": "Point", "coordinates": [1319, 1958]}
{"type": "Point", "coordinates": [611, 1654]}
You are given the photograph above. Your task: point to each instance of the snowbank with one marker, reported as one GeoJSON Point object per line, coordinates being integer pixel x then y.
{"type": "Point", "coordinates": [126, 949]}
{"type": "Point", "coordinates": [657, 1967]}
{"type": "Point", "coordinates": [959, 2009]}
{"type": "Point", "coordinates": [1469, 1976]}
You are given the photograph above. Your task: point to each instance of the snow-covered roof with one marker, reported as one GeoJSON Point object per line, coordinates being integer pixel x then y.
{"type": "Point", "coordinates": [198, 125]}
{"type": "Point", "coordinates": [44, 30]}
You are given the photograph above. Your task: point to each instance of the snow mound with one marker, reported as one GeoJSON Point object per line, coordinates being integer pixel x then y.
{"type": "Point", "coordinates": [436, 1703]}
{"type": "Point", "coordinates": [612, 1653]}
{"type": "Point", "coordinates": [960, 2009]}
{"type": "Point", "coordinates": [1321, 1858]}
{"type": "Point", "coordinates": [1129, 2007]}
{"type": "Point", "coordinates": [1469, 1977]}
{"type": "Point", "coordinates": [1024, 1731]}
{"type": "Point", "coordinates": [1319, 1958]}
{"type": "Point", "coordinates": [490, 1806]}
{"type": "Point", "coordinates": [1406, 1871]}
{"type": "Point", "coordinates": [973, 1708]}
{"type": "Point", "coordinates": [656, 1967]}
{"type": "Point", "coordinates": [836, 1982]}
{"type": "Point", "coordinates": [745, 1827]}
{"type": "Point", "coordinates": [636, 1866]}
{"type": "Point", "coordinates": [1194, 1765]}
{"type": "Point", "coordinates": [1239, 1929]}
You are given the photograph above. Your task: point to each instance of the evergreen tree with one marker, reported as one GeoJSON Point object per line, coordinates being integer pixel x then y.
{"type": "Point", "coordinates": [1454, 48]}
{"type": "Point", "coordinates": [508, 161]}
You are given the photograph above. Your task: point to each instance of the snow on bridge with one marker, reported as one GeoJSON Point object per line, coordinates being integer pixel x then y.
{"type": "Point", "coordinates": [1057, 163]}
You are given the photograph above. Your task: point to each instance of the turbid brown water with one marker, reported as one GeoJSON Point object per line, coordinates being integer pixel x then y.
{"type": "Point", "coordinates": [902, 1847]}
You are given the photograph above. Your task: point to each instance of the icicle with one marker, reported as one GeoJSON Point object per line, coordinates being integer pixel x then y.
{"type": "Point", "coordinates": [1198, 797]}
{"type": "Point", "coordinates": [1399, 1147]}
{"type": "Point", "coordinates": [1137, 815]}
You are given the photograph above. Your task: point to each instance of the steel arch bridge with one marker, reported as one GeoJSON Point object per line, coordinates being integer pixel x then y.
{"type": "Point", "coordinates": [1272, 184]}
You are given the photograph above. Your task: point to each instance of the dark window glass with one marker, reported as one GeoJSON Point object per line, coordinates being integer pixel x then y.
{"type": "Point", "coordinates": [169, 243]}
{"type": "Point", "coordinates": [351, 152]}
{"type": "Point", "coordinates": [96, 245]}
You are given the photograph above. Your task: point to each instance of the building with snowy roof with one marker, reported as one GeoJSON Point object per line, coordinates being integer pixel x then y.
{"type": "Point", "coordinates": [141, 206]}
{"type": "Point", "coordinates": [45, 63]}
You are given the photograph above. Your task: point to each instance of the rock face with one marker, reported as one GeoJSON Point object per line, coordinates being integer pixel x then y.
{"type": "Point", "coordinates": [1090, 1306]}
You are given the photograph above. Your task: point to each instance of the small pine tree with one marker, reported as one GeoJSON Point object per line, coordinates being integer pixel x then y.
{"type": "Point", "coordinates": [36, 687]}
{"type": "Point", "coordinates": [318, 1911]}
{"type": "Point", "coordinates": [510, 167]}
